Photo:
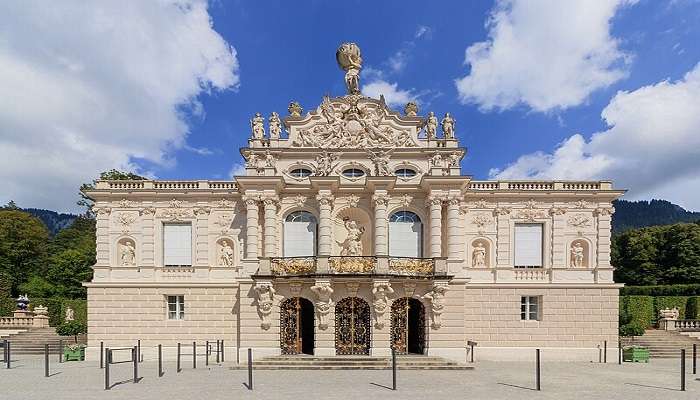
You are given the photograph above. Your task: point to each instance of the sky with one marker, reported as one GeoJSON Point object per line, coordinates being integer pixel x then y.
{"type": "Point", "coordinates": [540, 89]}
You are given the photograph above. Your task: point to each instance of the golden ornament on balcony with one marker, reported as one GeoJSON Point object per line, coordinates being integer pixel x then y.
{"type": "Point", "coordinates": [293, 266]}
{"type": "Point", "coordinates": [411, 266]}
{"type": "Point", "coordinates": [352, 265]}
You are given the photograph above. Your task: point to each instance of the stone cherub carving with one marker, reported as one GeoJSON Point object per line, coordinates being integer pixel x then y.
{"type": "Point", "coordinates": [266, 297]}
{"type": "Point", "coordinates": [436, 160]}
{"type": "Point", "coordinates": [479, 255]}
{"type": "Point", "coordinates": [257, 126]}
{"type": "Point", "coordinates": [448, 126]}
{"type": "Point", "coordinates": [127, 253]}
{"type": "Point", "coordinates": [270, 160]}
{"type": "Point", "coordinates": [381, 162]}
{"type": "Point", "coordinates": [226, 254]}
{"type": "Point", "coordinates": [323, 291]}
{"type": "Point", "coordinates": [352, 246]}
{"type": "Point", "coordinates": [381, 291]}
{"type": "Point", "coordinates": [453, 159]}
{"type": "Point", "coordinates": [350, 60]}
{"type": "Point", "coordinates": [324, 163]}
{"type": "Point", "coordinates": [437, 304]}
{"type": "Point", "coordinates": [431, 126]}
{"type": "Point", "coordinates": [274, 125]}
{"type": "Point", "coordinates": [577, 255]}
{"type": "Point", "coordinates": [252, 161]}
{"type": "Point", "coordinates": [70, 314]}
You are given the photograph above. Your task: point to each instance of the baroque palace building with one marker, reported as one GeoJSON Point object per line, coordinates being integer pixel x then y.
{"type": "Point", "coordinates": [354, 230]}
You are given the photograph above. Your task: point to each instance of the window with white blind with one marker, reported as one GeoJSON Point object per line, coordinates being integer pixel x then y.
{"type": "Point", "coordinates": [530, 308]}
{"type": "Point", "coordinates": [405, 235]}
{"type": "Point", "coordinates": [528, 246]}
{"type": "Point", "coordinates": [177, 244]}
{"type": "Point", "coordinates": [176, 307]}
{"type": "Point", "coordinates": [300, 234]}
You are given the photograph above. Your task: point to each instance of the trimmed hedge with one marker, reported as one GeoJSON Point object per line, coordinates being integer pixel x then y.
{"type": "Point", "coordinates": [661, 290]}
{"type": "Point", "coordinates": [692, 308]}
{"type": "Point", "coordinates": [56, 305]}
{"type": "Point", "coordinates": [7, 307]}
{"type": "Point", "coordinates": [637, 310]}
{"type": "Point", "coordinates": [662, 302]}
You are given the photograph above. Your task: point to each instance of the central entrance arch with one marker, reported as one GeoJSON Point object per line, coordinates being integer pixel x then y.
{"type": "Point", "coordinates": [408, 326]}
{"type": "Point", "coordinates": [352, 327]}
{"type": "Point", "coordinates": [297, 326]}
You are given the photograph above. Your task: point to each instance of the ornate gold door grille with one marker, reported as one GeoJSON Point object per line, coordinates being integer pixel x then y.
{"type": "Point", "coordinates": [352, 327]}
{"type": "Point", "coordinates": [290, 326]}
{"type": "Point", "coordinates": [407, 326]}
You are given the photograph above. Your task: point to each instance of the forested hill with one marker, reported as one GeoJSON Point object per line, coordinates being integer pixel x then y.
{"type": "Point", "coordinates": [637, 214]}
{"type": "Point", "coordinates": [53, 220]}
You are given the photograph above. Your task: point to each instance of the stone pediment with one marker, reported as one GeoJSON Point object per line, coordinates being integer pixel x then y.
{"type": "Point", "coordinates": [353, 121]}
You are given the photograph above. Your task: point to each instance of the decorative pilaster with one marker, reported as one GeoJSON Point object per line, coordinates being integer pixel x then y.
{"type": "Point", "coordinates": [147, 236]}
{"type": "Point", "coordinates": [604, 215]}
{"type": "Point", "coordinates": [103, 240]}
{"type": "Point", "coordinates": [435, 206]}
{"type": "Point", "coordinates": [454, 233]}
{"type": "Point", "coordinates": [323, 291]}
{"type": "Point", "coordinates": [381, 289]}
{"type": "Point", "coordinates": [251, 245]}
{"type": "Point", "coordinates": [325, 202]}
{"type": "Point", "coordinates": [270, 204]}
{"type": "Point", "coordinates": [381, 227]}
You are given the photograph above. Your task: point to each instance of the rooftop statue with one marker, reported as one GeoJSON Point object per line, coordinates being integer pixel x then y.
{"type": "Point", "coordinates": [350, 60]}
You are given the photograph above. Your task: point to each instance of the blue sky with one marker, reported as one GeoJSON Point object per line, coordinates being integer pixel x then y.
{"type": "Point", "coordinates": [170, 92]}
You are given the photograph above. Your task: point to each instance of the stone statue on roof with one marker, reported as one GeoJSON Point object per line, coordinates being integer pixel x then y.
{"type": "Point", "coordinates": [350, 60]}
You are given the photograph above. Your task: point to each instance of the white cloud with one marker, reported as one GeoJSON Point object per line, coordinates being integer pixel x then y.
{"type": "Point", "coordinates": [392, 94]}
{"type": "Point", "coordinates": [89, 86]}
{"type": "Point", "coordinates": [544, 54]}
{"type": "Point", "coordinates": [238, 169]}
{"type": "Point", "coordinates": [652, 146]}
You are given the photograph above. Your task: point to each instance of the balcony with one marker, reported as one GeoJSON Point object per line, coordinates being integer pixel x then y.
{"type": "Point", "coordinates": [352, 266]}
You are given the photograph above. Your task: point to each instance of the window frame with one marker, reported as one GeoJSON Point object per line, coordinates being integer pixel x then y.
{"type": "Point", "coordinates": [305, 175]}
{"type": "Point", "coordinates": [526, 308]}
{"type": "Point", "coordinates": [191, 242]}
{"type": "Point", "coordinates": [355, 170]}
{"type": "Point", "coordinates": [542, 245]}
{"type": "Point", "coordinates": [403, 176]}
{"type": "Point", "coordinates": [179, 303]}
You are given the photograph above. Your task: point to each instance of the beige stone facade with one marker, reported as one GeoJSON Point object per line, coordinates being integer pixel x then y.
{"type": "Point", "coordinates": [353, 230]}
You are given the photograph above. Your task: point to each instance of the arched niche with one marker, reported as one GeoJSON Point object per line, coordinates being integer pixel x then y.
{"type": "Point", "coordinates": [480, 253]}
{"type": "Point", "coordinates": [348, 224]}
{"type": "Point", "coordinates": [579, 253]}
{"type": "Point", "coordinates": [226, 252]}
{"type": "Point", "coordinates": [126, 252]}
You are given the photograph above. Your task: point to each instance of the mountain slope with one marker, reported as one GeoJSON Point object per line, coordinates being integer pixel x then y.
{"type": "Point", "coordinates": [637, 214]}
{"type": "Point", "coordinates": [53, 220]}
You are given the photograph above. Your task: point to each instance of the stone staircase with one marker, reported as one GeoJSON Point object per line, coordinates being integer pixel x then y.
{"type": "Point", "coordinates": [665, 344]}
{"type": "Point", "coordinates": [32, 341]}
{"type": "Point", "coordinates": [305, 362]}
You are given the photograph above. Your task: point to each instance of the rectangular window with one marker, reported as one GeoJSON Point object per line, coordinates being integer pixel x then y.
{"type": "Point", "coordinates": [176, 307]}
{"type": "Point", "coordinates": [530, 308]}
{"type": "Point", "coordinates": [528, 246]}
{"type": "Point", "coordinates": [177, 244]}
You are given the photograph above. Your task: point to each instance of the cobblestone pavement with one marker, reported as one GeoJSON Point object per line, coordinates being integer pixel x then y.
{"type": "Point", "coordinates": [490, 380]}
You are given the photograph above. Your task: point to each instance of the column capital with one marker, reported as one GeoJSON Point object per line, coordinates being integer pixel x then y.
{"type": "Point", "coordinates": [325, 199]}
{"type": "Point", "coordinates": [271, 200]}
{"type": "Point", "coordinates": [434, 200]}
{"type": "Point", "coordinates": [380, 199]}
{"type": "Point", "coordinates": [251, 200]}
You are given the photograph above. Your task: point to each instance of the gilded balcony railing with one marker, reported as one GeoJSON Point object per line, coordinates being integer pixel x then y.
{"type": "Point", "coordinates": [411, 266]}
{"type": "Point", "coordinates": [293, 266]}
{"type": "Point", "coordinates": [352, 265]}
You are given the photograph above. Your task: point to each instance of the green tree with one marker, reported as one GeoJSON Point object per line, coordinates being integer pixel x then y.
{"type": "Point", "coordinates": [23, 243]}
{"type": "Point", "coordinates": [111, 175]}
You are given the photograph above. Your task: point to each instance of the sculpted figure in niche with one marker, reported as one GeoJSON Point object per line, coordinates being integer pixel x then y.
{"type": "Point", "coordinates": [70, 314]}
{"type": "Point", "coordinates": [479, 255]}
{"type": "Point", "coordinates": [257, 126]}
{"type": "Point", "coordinates": [448, 126]}
{"type": "Point", "coordinates": [352, 246]}
{"type": "Point", "coordinates": [128, 253]}
{"type": "Point", "coordinates": [431, 125]}
{"type": "Point", "coordinates": [275, 125]}
{"type": "Point", "coordinates": [226, 254]}
{"type": "Point", "coordinates": [577, 252]}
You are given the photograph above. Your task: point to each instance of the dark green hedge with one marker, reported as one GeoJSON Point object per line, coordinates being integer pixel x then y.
{"type": "Point", "coordinates": [661, 290]}
{"type": "Point", "coordinates": [57, 308]}
{"type": "Point", "coordinates": [7, 307]}
{"type": "Point", "coordinates": [662, 302]}
{"type": "Point", "coordinates": [637, 310]}
{"type": "Point", "coordinates": [692, 308]}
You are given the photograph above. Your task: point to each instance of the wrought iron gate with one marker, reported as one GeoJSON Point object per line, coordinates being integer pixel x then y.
{"type": "Point", "coordinates": [290, 326]}
{"type": "Point", "coordinates": [352, 327]}
{"type": "Point", "coordinates": [407, 326]}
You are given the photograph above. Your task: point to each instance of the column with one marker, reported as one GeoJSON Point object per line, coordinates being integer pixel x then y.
{"type": "Point", "coordinates": [454, 233]}
{"type": "Point", "coordinates": [325, 202]}
{"type": "Point", "coordinates": [251, 239]}
{"type": "Point", "coordinates": [271, 204]}
{"type": "Point", "coordinates": [381, 227]}
{"type": "Point", "coordinates": [435, 205]}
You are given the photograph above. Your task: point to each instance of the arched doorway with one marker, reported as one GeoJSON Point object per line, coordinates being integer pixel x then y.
{"type": "Point", "coordinates": [408, 326]}
{"type": "Point", "coordinates": [297, 326]}
{"type": "Point", "coordinates": [352, 327]}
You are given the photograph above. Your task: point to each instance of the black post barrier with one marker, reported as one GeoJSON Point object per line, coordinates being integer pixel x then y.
{"type": "Point", "coordinates": [206, 352]}
{"type": "Point", "coordinates": [605, 352]}
{"type": "Point", "coordinates": [8, 347]}
{"type": "Point", "coordinates": [135, 356]}
{"type": "Point", "coordinates": [60, 351]}
{"type": "Point", "coordinates": [250, 369]}
{"type": "Point", "coordinates": [619, 352]}
{"type": "Point", "coordinates": [682, 370]}
{"type": "Point", "coordinates": [194, 355]}
{"type": "Point", "coordinates": [218, 349]}
{"type": "Point", "coordinates": [108, 356]}
{"type": "Point", "coordinates": [178, 358]}
{"type": "Point", "coordinates": [138, 350]}
{"type": "Point", "coordinates": [537, 375]}
{"type": "Point", "coordinates": [160, 360]}
{"type": "Point", "coordinates": [600, 355]}
{"type": "Point", "coordinates": [4, 351]}
{"type": "Point", "coordinates": [46, 360]}
{"type": "Point", "coordinates": [471, 350]}
{"type": "Point", "coordinates": [222, 350]}
{"type": "Point", "coordinates": [102, 355]}
{"type": "Point", "coordinates": [695, 356]}
{"type": "Point", "coordinates": [393, 368]}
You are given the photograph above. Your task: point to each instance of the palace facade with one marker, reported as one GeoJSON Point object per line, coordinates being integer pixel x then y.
{"type": "Point", "coordinates": [354, 230]}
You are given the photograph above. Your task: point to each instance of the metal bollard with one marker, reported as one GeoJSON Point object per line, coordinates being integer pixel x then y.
{"type": "Point", "coordinates": [194, 355]}
{"type": "Point", "coordinates": [695, 356]}
{"type": "Point", "coordinates": [537, 375]}
{"type": "Point", "coordinates": [218, 349]}
{"type": "Point", "coordinates": [8, 359]}
{"type": "Point", "coordinates": [4, 351]}
{"type": "Point", "coordinates": [222, 350]}
{"type": "Point", "coordinates": [250, 369]}
{"type": "Point", "coordinates": [138, 350]}
{"type": "Point", "coordinates": [682, 370]}
{"type": "Point", "coordinates": [46, 360]}
{"type": "Point", "coordinates": [102, 350]}
{"type": "Point", "coordinates": [135, 356]}
{"type": "Point", "coordinates": [108, 356]}
{"type": "Point", "coordinates": [178, 358]}
{"type": "Point", "coordinates": [60, 351]}
{"type": "Point", "coordinates": [605, 352]}
{"type": "Point", "coordinates": [600, 355]}
{"type": "Point", "coordinates": [206, 352]}
{"type": "Point", "coordinates": [619, 352]}
{"type": "Point", "coordinates": [393, 368]}
{"type": "Point", "coordinates": [160, 360]}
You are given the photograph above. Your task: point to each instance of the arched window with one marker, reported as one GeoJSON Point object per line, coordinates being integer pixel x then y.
{"type": "Point", "coordinates": [405, 173]}
{"type": "Point", "coordinates": [300, 172]}
{"type": "Point", "coordinates": [353, 173]}
{"type": "Point", "coordinates": [300, 234]}
{"type": "Point", "coordinates": [405, 235]}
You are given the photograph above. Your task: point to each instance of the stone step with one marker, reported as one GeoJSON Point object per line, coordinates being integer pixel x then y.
{"type": "Point", "coordinates": [354, 367]}
{"type": "Point", "coordinates": [415, 362]}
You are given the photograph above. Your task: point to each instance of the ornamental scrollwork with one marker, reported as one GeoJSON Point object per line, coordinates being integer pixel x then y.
{"type": "Point", "coordinates": [411, 266]}
{"type": "Point", "coordinates": [579, 221]}
{"type": "Point", "coordinates": [352, 265]}
{"type": "Point", "coordinates": [293, 266]}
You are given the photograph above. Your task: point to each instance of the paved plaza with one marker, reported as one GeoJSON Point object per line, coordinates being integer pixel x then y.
{"type": "Point", "coordinates": [490, 380]}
